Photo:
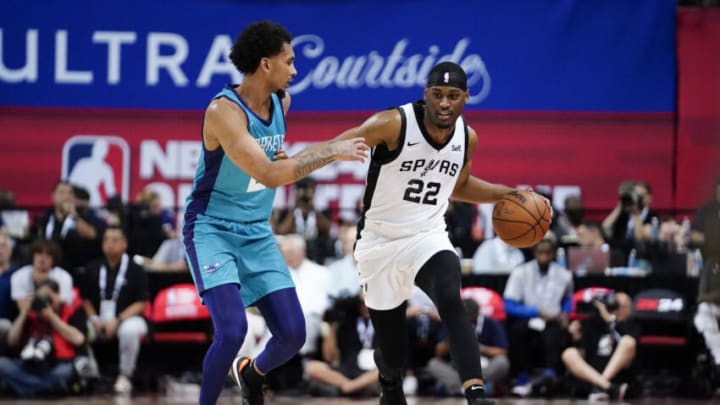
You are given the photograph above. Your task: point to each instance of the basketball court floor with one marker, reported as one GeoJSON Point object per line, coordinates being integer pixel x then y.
{"type": "Point", "coordinates": [230, 400]}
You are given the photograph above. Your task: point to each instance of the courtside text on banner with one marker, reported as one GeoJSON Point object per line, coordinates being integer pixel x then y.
{"type": "Point", "coordinates": [529, 55]}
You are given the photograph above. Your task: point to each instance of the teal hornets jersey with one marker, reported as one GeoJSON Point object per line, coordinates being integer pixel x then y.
{"type": "Point", "coordinates": [220, 188]}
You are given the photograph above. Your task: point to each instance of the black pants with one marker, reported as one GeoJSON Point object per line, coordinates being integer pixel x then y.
{"type": "Point", "coordinates": [526, 344]}
{"type": "Point", "coordinates": [440, 279]}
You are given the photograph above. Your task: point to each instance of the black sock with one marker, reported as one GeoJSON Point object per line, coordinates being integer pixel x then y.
{"type": "Point", "coordinates": [251, 376]}
{"type": "Point", "coordinates": [475, 391]}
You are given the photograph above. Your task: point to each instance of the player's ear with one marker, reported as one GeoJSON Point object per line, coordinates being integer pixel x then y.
{"type": "Point", "coordinates": [467, 95]}
{"type": "Point", "coordinates": [265, 63]}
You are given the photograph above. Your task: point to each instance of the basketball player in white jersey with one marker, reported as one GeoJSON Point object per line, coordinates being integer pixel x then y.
{"type": "Point", "coordinates": [421, 155]}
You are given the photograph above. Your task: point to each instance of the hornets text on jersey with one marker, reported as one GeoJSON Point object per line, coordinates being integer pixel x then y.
{"type": "Point", "coordinates": [223, 190]}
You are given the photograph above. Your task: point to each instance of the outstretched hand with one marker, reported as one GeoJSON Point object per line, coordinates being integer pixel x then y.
{"type": "Point", "coordinates": [353, 149]}
{"type": "Point", "coordinates": [280, 154]}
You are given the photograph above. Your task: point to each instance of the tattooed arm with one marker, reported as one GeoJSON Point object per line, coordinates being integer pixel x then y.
{"type": "Point", "coordinates": [226, 127]}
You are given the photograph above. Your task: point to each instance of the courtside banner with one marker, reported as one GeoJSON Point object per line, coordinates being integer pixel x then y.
{"type": "Point", "coordinates": [526, 55]}
{"type": "Point", "coordinates": [122, 152]}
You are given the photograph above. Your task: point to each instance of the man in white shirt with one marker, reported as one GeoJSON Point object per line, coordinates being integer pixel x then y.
{"type": "Point", "coordinates": [496, 256]}
{"type": "Point", "coordinates": [344, 278]}
{"type": "Point", "coordinates": [538, 297]}
{"type": "Point", "coordinates": [312, 284]}
{"type": "Point", "coordinates": [45, 254]}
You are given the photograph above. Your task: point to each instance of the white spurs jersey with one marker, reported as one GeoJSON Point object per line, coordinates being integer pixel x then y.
{"type": "Point", "coordinates": [408, 189]}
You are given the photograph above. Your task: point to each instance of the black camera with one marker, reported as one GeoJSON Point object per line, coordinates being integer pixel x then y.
{"type": "Point", "coordinates": [588, 307]}
{"type": "Point", "coordinates": [630, 199]}
{"type": "Point", "coordinates": [39, 302]}
{"type": "Point", "coordinates": [609, 300]}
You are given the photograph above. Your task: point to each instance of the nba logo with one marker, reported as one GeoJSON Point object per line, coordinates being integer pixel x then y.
{"type": "Point", "coordinates": [100, 164]}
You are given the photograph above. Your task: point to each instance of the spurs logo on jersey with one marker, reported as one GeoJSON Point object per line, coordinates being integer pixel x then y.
{"type": "Point", "coordinates": [408, 189]}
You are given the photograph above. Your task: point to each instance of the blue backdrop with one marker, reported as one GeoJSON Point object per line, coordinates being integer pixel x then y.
{"type": "Point", "coordinates": [528, 55]}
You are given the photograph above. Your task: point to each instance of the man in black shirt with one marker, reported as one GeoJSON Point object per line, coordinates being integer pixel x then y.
{"type": "Point", "coordinates": [115, 290]}
{"type": "Point", "coordinates": [605, 346]}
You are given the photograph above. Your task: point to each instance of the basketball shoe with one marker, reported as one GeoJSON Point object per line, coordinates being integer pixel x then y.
{"type": "Point", "coordinates": [392, 392]}
{"type": "Point", "coordinates": [475, 395]}
{"type": "Point", "coordinates": [251, 388]}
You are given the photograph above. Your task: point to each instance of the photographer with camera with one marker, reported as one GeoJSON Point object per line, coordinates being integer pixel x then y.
{"type": "Point", "coordinates": [604, 345]}
{"type": "Point", "coordinates": [50, 332]}
{"type": "Point", "coordinates": [45, 256]}
{"type": "Point", "coordinates": [629, 223]}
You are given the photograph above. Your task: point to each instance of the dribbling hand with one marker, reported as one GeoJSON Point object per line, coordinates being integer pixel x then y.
{"type": "Point", "coordinates": [353, 149]}
{"type": "Point", "coordinates": [547, 202]}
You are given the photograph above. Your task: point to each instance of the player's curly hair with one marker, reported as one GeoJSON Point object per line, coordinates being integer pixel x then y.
{"type": "Point", "coordinates": [258, 40]}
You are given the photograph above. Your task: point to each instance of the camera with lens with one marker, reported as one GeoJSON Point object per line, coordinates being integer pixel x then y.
{"type": "Point", "coordinates": [588, 307]}
{"type": "Point", "coordinates": [608, 299]}
{"type": "Point", "coordinates": [630, 199]}
{"type": "Point", "coordinates": [39, 302]}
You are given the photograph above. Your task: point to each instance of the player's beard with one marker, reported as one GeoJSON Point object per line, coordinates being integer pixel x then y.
{"type": "Point", "coordinates": [442, 124]}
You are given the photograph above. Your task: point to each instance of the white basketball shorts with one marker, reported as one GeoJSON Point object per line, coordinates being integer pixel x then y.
{"type": "Point", "coordinates": [388, 266]}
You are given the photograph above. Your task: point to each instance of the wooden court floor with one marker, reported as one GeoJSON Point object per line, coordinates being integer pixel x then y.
{"type": "Point", "coordinates": [234, 399]}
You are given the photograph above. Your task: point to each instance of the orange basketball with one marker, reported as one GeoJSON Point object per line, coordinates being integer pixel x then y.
{"type": "Point", "coordinates": [521, 218]}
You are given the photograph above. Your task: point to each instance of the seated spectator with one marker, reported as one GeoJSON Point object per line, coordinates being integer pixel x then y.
{"type": "Point", "coordinates": [604, 348]}
{"type": "Point", "coordinates": [493, 349]}
{"type": "Point", "coordinates": [347, 366]}
{"type": "Point", "coordinates": [538, 297]}
{"type": "Point", "coordinates": [590, 235]}
{"type": "Point", "coordinates": [566, 226]}
{"type": "Point", "coordinates": [426, 333]}
{"type": "Point", "coordinates": [45, 254]}
{"type": "Point", "coordinates": [115, 290]}
{"type": "Point", "coordinates": [705, 227]}
{"type": "Point", "coordinates": [312, 285]}
{"type": "Point", "coordinates": [50, 332]}
{"type": "Point", "coordinates": [496, 256]}
{"type": "Point", "coordinates": [257, 336]}
{"type": "Point", "coordinates": [148, 224]}
{"type": "Point", "coordinates": [115, 212]}
{"type": "Point", "coordinates": [344, 278]}
{"type": "Point", "coordinates": [170, 257]}
{"type": "Point", "coordinates": [463, 227]}
{"type": "Point", "coordinates": [8, 309]}
{"type": "Point", "coordinates": [306, 220]}
{"type": "Point", "coordinates": [75, 230]}
{"type": "Point", "coordinates": [707, 315]}
{"type": "Point", "coordinates": [14, 221]}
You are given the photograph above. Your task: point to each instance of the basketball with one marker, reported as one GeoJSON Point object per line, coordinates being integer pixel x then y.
{"type": "Point", "coordinates": [521, 218]}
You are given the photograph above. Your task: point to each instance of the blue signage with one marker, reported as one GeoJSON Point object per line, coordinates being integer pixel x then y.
{"type": "Point", "coordinates": [520, 55]}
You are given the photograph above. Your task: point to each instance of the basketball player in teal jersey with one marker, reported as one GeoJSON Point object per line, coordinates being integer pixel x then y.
{"type": "Point", "coordinates": [229, 244]}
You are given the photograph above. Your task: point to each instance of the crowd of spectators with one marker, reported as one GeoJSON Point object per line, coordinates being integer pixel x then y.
{"type": "Point", "coordinates": [78, 280]}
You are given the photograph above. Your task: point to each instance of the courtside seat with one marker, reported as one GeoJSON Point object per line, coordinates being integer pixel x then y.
{"type": "Point", "coordinates": [663, 317]}
{"type": "Point", "coordinates": [490, 302]}
{"type": "Point", "coordinates": [663, 350]}
{"type": "Point", "coordinates": [179, 316]}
